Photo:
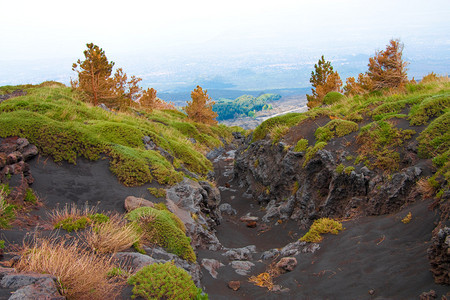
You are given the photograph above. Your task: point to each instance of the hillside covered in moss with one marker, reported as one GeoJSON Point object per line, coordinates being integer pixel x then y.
{"type": "Point", "coordinates": [141, 146]}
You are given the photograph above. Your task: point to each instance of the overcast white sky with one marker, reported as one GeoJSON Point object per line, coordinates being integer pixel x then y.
{"type": "Point", "coordinates": [49, 29]}
{"type": "Point", "coordinates": [158, 30]}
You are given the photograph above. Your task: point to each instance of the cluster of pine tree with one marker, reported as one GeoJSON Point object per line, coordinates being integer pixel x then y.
{"type": "Point", "coordinates": [386, 70]}
{"type": "Point", "coordinates": [97, 82]}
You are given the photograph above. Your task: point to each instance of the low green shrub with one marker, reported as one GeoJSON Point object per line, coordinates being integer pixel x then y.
{"type": "Point", "coordinates": [75, 223]}
{"type": "Point", "coordinates": [164, 281]}
{"type": "Point", "coordinates": [336, 127]}
{"type": "Point", "coordinates": [7, 211]}
{"type": "Point", "coordinates": [311, 151]}
{"type": "Point", "coordinates": [349, 170]}
{"type": "Point", "coordinates": [332, 97]}
{"type": "Point", "coordinates": [432, 106]}
{"type": "Point", "coordinates": [301, 145]}
{"type": "Point", "coordinates": [158, 193]}
{"type": "Point", "coordinates": [164, 229]}
{"type": "Point", "coordinates": [321, 226]}
{"type": "Point", "coordinates": [30, 196]}
{"type": "Point", "coordinates": [340, 168]}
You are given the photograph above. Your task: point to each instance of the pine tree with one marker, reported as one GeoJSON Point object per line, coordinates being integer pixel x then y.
{"type": "Point", "coordinates": [324, 80]}
{"type": "Point", "coordinates": [148, 99]}
{"type": "Point", "coordinates": [200, 108]}
{"type": "Point", "coordinates": [94, 75]}
{"type": "Point", "coordinates": [387, 68]}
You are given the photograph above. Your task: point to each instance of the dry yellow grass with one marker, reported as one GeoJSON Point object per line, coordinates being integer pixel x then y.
{"type": "Point", "coordinates": [71, 211]}
{"type": "Point", "coordinates": [112, 236]}
{"type": "Point", "coordinates": [81, 274]}
{"type": "Point", "coordinates": [425, 187]}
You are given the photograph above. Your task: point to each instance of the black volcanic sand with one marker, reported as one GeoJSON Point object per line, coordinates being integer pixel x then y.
{"type": "Point", "coordinates": [372, 253]}
{"type": "Point", "coordinates": [378, 254]}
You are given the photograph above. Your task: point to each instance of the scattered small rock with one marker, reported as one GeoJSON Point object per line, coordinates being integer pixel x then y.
{"type": "Point", "coordinates": [371, 292]}
{"type": "Point", "coordinates": [234, 285]}
{"type": "Point", "coordinates": [287, 264]}
{"type": "Point", "coordinates": [251, 224]}
{"type": "Point", "coordinates": [211, 265]}
{"type": "Point", "coordinates": [242, 267]}
{"type": "Point", "coordinates": [132, 202]}
{"type": "Point", "coordinates": [428, 295]}
{"type": "Point", "coordinates": [244, 253]}
{"type": "Point", "coordinates": [225, 208]}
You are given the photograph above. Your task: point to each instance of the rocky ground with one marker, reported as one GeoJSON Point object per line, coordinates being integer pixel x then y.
{"type": "Point", "coordinates": [375, 257]}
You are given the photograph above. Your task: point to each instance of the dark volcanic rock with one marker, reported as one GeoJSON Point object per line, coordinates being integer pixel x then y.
{"type": "Point", "coordinates": [14, 170]}
{"type": "Point", "coordinates": [278, 178]}
{"type": "Point", "coordinates": [439, 254]}
{"type": "Point", "coordinates": [190, 199]}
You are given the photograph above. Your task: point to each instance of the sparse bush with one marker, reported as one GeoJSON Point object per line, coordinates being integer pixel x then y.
{"type": "Point", "coordinates": [321, 226]}
{"type": "Point", "coordinates": [81, 274]}
{"type": "Point", "coordinates": [164, 281]}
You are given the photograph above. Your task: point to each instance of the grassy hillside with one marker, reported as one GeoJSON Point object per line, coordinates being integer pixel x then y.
{"type": "Point", "coordinates": [375, 128]}
{"type": "Point", "coordinates": [55, 119]}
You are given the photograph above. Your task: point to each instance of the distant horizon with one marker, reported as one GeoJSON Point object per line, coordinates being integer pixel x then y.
{"type": "Point", "coordinates": [234, 45]}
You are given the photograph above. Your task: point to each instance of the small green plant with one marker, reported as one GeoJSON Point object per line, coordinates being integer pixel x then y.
{"type": "Point", "coordinates": [7, 211]}
{"type": "Point", "coordinates": [158, 193]}
{"type": "Point", "coordinates": [117, 272]}
{"type": "Point", "coordinates": [336, 127]}
{"type": "Point", "coordinates": [321, 226]}
{"type": "Point", "coordinates": [349, 170]}
{"type": "Point", "coordinates": [164, 229]}
{"type": "Point", "coordinates": [75, 223]}
{"type": "Point", "coordinates": [164, 281]}
{"type": "Point", "coordinates": [311, 151]}
{"type": "Point", "coordinates": [301, 146]}
{"type": "Point", "coordinates": [30, 196]}
{"type": "Point", "coordinates": [340, 168]}
{"type": "Point", "coordinates": [2, 244]}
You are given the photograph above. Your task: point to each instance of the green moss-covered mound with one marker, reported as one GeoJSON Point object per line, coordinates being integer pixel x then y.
{"type": "Point", "coordinates": [332, 97]}
{"type": "Point", "coordinates": [54, 119]}
{"type": "Point", "coordinates": [164, 229]}
{"type": "Point", "coordinates": [164, 281]}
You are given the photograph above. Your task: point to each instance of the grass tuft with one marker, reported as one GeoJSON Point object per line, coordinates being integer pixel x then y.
{"type": "Point", "coordinates": [81, 274]}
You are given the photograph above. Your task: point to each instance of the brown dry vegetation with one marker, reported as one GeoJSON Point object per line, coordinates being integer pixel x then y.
{"type": "Point", "coordinates": [81, 274]}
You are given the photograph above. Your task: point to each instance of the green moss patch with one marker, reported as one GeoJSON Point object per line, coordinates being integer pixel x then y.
{"type": "Point", "coordinates": [336, 127]}
{"type": "Point", "coordinates": [321, 226]}
{"type": "Point", "coordinates": [164, 229]}
{"type": "Point", "coordinates": [52, 113]}
{"type": "Point", "coordinates": [164, 281]}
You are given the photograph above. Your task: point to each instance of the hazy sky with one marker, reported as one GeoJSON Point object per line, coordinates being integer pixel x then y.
{"type": "Point", "coordinates": [46, 29]}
